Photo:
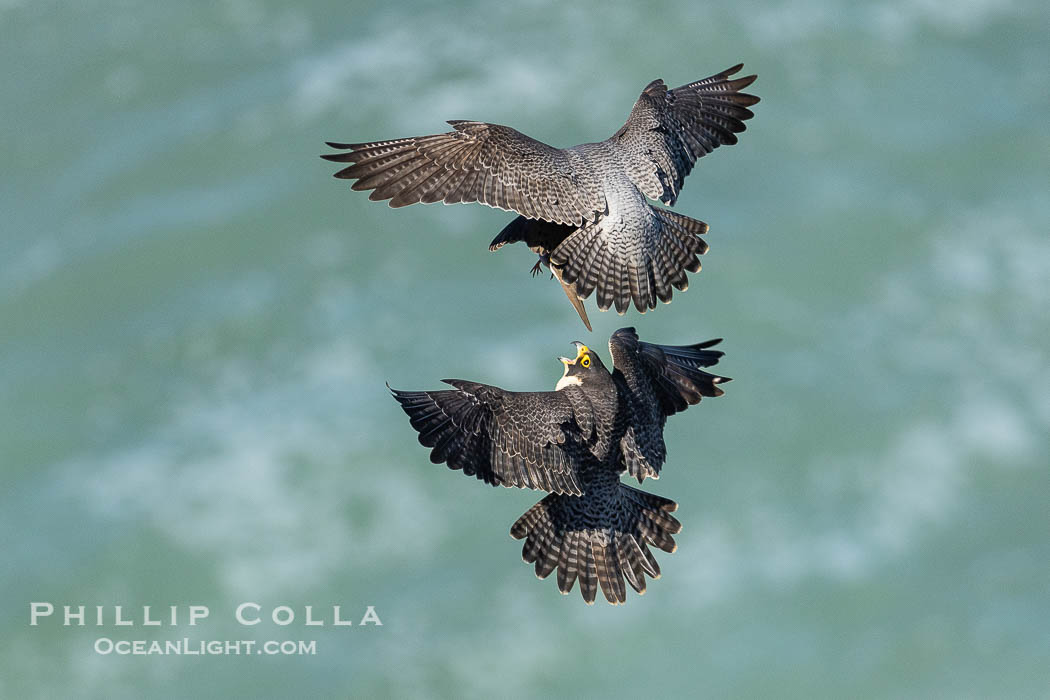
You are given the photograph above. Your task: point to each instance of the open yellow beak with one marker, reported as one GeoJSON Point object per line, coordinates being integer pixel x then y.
{"type": "Point", "coordinates": [581, 350]}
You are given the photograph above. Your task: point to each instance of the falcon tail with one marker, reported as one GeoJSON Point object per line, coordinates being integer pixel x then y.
{"type": "Point", "coordinates": [600, 543]}
{"type": "Point", "coordinates": [592, 261]}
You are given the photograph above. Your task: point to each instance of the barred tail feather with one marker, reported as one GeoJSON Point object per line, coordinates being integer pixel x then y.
{"type": "Point", "coordinates": [603, 545]}
{"type": "Point", "coordinates": [592, 259]}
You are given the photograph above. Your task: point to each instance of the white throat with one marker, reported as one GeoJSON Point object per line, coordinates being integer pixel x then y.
{"type": "Point", "coordinates": [567, 380]}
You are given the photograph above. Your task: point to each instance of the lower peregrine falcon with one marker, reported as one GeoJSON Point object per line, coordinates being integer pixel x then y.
{"type": "Point", "coordinates": [575, 442]}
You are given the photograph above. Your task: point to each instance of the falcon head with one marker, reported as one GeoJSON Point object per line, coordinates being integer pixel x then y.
{"type": "Point", "coordinates": [586, 367]}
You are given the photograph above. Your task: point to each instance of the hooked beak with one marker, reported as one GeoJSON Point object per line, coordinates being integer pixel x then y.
{"type": "Point", "coordinates": [580, 350]}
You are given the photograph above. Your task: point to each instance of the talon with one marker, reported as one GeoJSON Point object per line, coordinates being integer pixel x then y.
{"type": "Point", "coordinates": [544, 260]}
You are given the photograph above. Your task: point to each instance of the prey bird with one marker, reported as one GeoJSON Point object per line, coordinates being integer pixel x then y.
{"type": "Point", "coordinates": [574, 442]}
{"type": "Point", "coordinates": [583, 209]}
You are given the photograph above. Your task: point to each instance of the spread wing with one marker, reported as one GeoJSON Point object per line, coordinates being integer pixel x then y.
{"type": "Point", "coordinates": [659, 381]}
{"type": "Point", "coordinates": [668, 130]}
{"type": "Point", "coordinates": [477, 162]}
{"type": "Point", "coordinates": [504, 438]}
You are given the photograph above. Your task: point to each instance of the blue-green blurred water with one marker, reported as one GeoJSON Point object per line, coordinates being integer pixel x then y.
{"type": "Point", "coordinates": [196, 323]}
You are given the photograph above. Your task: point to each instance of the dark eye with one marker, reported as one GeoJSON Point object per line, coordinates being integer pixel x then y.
{"type": "Point", "coordinates": [586, 361]}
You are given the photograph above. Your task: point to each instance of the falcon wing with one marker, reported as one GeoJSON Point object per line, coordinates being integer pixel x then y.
{"type": "Point", "coordinates": [659, 381]}
{"type": "Point", "coordinates": [668, 130]}
{"type": "Point", "coordinates": [477, 162]}
{"type": "Point", "coordinates": [504, 438]}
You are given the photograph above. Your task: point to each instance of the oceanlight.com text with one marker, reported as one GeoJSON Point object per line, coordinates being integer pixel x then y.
{"type": "Point", "coordinates": [214, 647]}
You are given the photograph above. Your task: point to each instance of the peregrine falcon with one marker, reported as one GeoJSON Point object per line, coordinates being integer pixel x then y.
{"type": "Point", "coordinates": [582, 209]}
{"type": "Point", "coordinates": [574, 442]}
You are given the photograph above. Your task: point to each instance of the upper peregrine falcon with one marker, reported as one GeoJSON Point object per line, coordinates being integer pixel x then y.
{"type": "Point", "coordinates": [575, 442]}
{"type": "Point", "coordinates": [583, 209]}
